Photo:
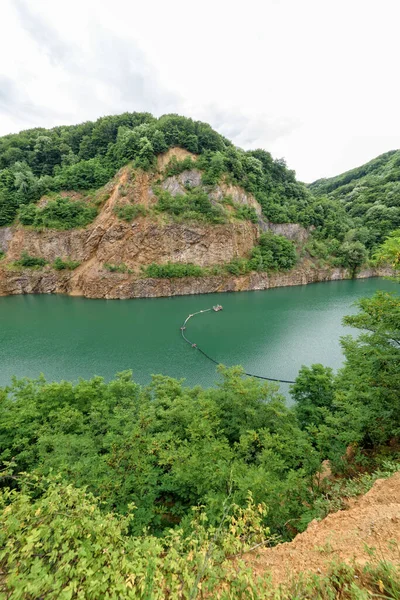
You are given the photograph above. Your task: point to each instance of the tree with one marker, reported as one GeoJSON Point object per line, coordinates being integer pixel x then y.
{"type": "Point", "coordinates": [389, 251]}
{"type": "Point", "coordinates": [145, 158]}
{"type": "Point", "coordinates": [367, 393]}
{"type": "Point", "coordinates": [274, 252]}
{"type": "Point", "coordinates": [314, 393]}
{"type": "Point", "coordinates": [352, 255]}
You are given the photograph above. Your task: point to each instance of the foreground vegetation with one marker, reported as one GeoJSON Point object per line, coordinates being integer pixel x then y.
{"type": "Point", "coordinates": [57, 543]}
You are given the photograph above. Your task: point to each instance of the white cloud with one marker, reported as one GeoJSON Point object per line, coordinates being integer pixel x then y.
{"type": "Point", "coordinates": [313, 81]}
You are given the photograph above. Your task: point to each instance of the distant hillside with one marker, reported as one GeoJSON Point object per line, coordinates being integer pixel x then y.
{"type": "Point", "coordinates": [370, 194]}
{"type": "Point", "coordinates": [88, 155]}
{"type": "Point", "coordinates": [148, 184]}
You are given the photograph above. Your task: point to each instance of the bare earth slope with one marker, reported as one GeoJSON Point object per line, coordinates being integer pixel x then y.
{"type": "Point", "coordinates": [371, 522]}
{"type": "Point", "coordinates": [149, 239]}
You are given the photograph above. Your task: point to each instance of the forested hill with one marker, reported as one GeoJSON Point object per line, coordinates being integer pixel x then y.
{"type": "Point", "coordinates": [347, 216]}
{"type": "Point", "coordinates": [86, 156]}
{"type": "Point", "coordinates": [370, 194]}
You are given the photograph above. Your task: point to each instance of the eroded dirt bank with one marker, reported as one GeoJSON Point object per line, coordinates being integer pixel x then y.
{"type": "Point", "coordinates": [368, 531]}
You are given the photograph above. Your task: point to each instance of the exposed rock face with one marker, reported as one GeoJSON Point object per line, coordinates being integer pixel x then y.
{"type": "Point", "coordinates": [177, 184]}
{"type": "Point", "coordinates": [92, 281]}
{"type": "Point", "coordinates": [5, 237]}
{"type": "Point", "coordinates": [238, 195]}
{"type": "Point", "coordinates": [293, 231]}
{"type": "Point", "coordinates": [178, 153]}
{"type": "Point", "coordinates": [147, 240]}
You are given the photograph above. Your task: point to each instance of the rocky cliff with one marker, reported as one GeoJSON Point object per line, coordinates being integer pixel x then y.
{"type": "Point", "coordinates": [148, 239]}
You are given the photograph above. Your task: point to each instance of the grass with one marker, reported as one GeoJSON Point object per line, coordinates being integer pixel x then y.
{"type": "Point", "coordinates": [344, 582]}
{"type": "Point", "coordinates": [339, 490]}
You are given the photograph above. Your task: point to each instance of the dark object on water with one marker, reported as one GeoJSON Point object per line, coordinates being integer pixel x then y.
{"type": "Point", "coordinates": [217, 308]}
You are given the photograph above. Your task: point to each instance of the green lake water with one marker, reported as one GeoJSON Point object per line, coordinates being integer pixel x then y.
{"type": "Point", "coordinates": [271, 333]}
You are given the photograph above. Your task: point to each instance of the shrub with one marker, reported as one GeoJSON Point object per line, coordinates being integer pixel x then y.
{"type": "Point", "coordinates": [352, 255]}
{"type": "Point", "coordinates": [27, 214]}
{"type": "Point", "coordinates": [195, 204]}
{"type": "Point", "coordinates": [246, 213]}
{"type": "Point", "coordinates": [2, 254]}
{"type": "Point", "coordinates": [170, 270]}
{"type": "Point", "coordinates": [176, 167]}
{"type": "Point", "coordinates": [274, 252]}
{"type": "Point", "coordinates": [32, 262]}
{"type": "Point", "coordinates": [238, 266]}
{"type": "Point", "coordinates": [68, 526]}
{"type": "Point", "coordinates": [128, 212]}
{"type": "Point", "coordinates": [118, 268]}
{"type": "Point", "coordinates": [84, 175]}
{"type": "Point", "coordinates": [61, 213]}
{"type": "Point", "coordinates": [61, 265]}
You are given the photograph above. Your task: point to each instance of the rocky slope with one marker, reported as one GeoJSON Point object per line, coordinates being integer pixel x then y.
{"type": "Point", "coordinates": [368, 531]}
{"type": "Point", "coordinates": [149, 239]}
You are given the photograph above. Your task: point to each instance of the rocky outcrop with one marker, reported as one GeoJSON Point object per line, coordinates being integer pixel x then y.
{"type": "Point", "coordinates": [153, 238]}
{"type": "Point", "coordinates": [5, 238]}
{"type": "Point", "coordinates": [293, 231]}
{"type": "Point", "coordinates": [178, 184]}
{"type": "Point", "coordinates": [93, 281]}
{"type": "Point", "coordinates": [238, 195]}
{"type": "Point", "coordinates": [139, 243]}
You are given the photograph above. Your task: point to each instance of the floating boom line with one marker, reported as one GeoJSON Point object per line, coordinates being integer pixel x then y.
{"type": "Point", "coordinates": [196, 347]}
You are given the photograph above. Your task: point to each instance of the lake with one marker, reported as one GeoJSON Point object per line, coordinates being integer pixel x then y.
{"type": "Point", "coordinates": [271, 333]}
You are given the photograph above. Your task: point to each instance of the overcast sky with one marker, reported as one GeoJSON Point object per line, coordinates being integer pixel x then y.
{"type": "Point", "coordinates": [313, 81]}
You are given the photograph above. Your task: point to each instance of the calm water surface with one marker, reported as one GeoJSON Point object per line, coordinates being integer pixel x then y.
{"type": "Point", "coordinates": [272, 333]}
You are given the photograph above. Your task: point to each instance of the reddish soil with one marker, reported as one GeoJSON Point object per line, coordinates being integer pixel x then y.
{"type": "Point", "coordinates": [370, 524]}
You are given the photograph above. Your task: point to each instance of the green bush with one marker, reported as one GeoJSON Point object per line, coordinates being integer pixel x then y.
{"type": "Point", "coordinates": [2, 254]}
{"type": "Point", "coordinates": [60, 265]}
{"type": "Point", "coordinates": [61, 213]}
{"type": "Point", "coordinates": [274, 253]}
{"type": "Point", "coordinates": [246, 213]}
{"type": "Point", "coordinates": [84, 175]}
{"type": "Point", "coordinates": [195, 204]}
{"type": "Point", "coordinates": [32, 262]}
{"type": "Point", "coordinates": [27, 214]}
{"type": "Point", "coordinates": [128, 212]}
{"type": "Point", "coordinates": [119, 268]}
{"type": "Point", "coordinates": [171, 270]}
{"type": "Point", "coordinates": [352, 255]}
{"type": "Point", "coordinates": [239, 266]}
{"type": "Point", "coordinates": [68, 526]}
{"type": "Point", "coordinates": [176, 167]}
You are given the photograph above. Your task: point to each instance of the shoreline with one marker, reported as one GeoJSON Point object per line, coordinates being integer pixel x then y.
{"type": "Point", "coordinates": [118, 286]}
